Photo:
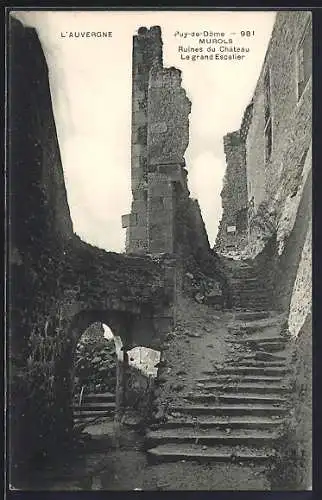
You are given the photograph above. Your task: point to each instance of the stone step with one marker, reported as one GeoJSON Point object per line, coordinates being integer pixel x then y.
{"type": "Point", "coordinates": [258, 331]}
{"type": "Point", "coordinates": [254, 305]}
{"type": "Point", "coordinates": [239, 377]}
{"type": "Point", "coordinates": [266, 356]}
{"type": "Point", "coordinates": [259, 340]}
{"type": "Point", "coordinates": [210, 436]}
{"type": "Point", "coordinates": [250, 283]}
{"type": "Point", "coordinates": [239, 288]}
{"type": "Point", "coordinates": [255, 362]}
{"type": "Point", "coordinates": [94, 407]}
{"type": "Point", "coordinates": [95, 404]}
{"type": "Point", "coordinates": [250, 305]}
{"type": "Point", "coordinates": [243, 284]}
{"type": "Point", "coordinates": [239, 398]}
{"type": "Point", "coordinates": [237, 281]}
{"type": "Point", "coordinates": [273, 347]}
{"type": "Point", "coordinates": [252, 297]}
{"type": "Point", "coordinates": [91, 416]}
{"type": "Point", "coordinates": [104, 397]}
{"type": "Point", "coordinates": [245, 280]}
{"type": "Point", "coordinates": [252, 315]}
{"type": "Point", "coordinates": [223, 422]}
{"type": "Point", "coordinates": [276, 320]}
{"type": "Point", "coordinates": [227, 410]}
{"type": "Point", "coordinates": [244, 273]}
{"type": "Point", "coordinates": [254, 290]}
{"type": "Point", "coordinates": [84, 422]}
{"type": "Point", "coordinates": [172, 452]}
{"type": "Point", "coordinates": [248, 370]}
{"type": "Point", "coordinates": [249, 278]}
{"type": "Point", "coordinates": [251, 293]}
{"type": "Point", "coordinates": [257, 345]}
{"type": "Point", "coordinates": [83, 415]}
{"type": "Point", "coordinates": [255, 388]}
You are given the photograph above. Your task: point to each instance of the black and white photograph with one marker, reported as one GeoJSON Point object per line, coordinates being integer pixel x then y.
{"type": "Point", "coordinates": [159, 250]}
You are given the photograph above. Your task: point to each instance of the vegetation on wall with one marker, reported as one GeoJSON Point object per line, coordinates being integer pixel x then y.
{"type": "Point", "coordinates": [94, 365]}
{"type": "Point", "coordinates": [35, 420]}
{"type": "Point", "coordinates": [99, 274]}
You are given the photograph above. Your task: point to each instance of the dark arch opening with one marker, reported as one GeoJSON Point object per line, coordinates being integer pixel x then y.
{"type": "Point", "coordinates": [94, 376]}
{"type": "Point", "coordinates": [121, 324]}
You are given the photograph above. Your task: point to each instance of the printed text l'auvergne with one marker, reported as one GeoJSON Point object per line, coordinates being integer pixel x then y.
{"type": "Point", "coordinates": [86, 34]}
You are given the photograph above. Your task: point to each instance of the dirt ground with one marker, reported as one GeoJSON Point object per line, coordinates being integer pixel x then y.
{"type": "Point", "coordinates": [127, 469]}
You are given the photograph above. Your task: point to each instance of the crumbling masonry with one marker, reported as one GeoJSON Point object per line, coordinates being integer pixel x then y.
{"type": "Point", "coordinates": [160, 135]}
{"type": "Point", "coordinates": [268, 158]}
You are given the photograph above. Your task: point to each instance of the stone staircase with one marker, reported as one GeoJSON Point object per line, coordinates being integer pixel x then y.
{"type": "Point", "coordinates": [247, 291]}
{"type": "Point", "coordinates": [92, 407]}
{"type": "Point", "coordinates": [235, 411]}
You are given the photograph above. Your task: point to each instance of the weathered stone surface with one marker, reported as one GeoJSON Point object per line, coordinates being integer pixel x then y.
{"type": "Point", "coordinates": [277, 179]}
{"type": "Point", "coordinates": [160, 136]}
{"type": "Point", "coordinates": [301, 300]}
{"type": "Point", "coordinates": [273, 181]}
{"type": "Point", "coordinates": [147, 49]}
{"type": "Point", "coordinates": [168, 112]}
{"type": "Point", "coordinates": [234, 196]}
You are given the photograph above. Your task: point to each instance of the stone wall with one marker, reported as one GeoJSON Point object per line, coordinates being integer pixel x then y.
{"type": "Point", "coordinates": [54, 277]}
{"type": "Point", "coordinates": [40, 231]}
{"type": "Point", "coordinates": [147, 48]}
{"type": "Point", "coordinates": [302, 403]}
{"type": "Point", "coordinates": [232, 234]}
{"type": "Point", "coordinates": [301, 300]}
{"type": "Point", "coordinates": [273, 179]}
{"type": "Point", "coordinates": [168, 111]}
{"type": "Point", "coordinates": [160, 213]}
{"type": "Point", "coordinates": [275, 176]}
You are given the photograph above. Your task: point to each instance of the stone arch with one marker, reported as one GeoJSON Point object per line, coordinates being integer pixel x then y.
{"type": "Point", "coordinates": [121, 325]}
{"type": "Point", "coordinates": [89, 333]}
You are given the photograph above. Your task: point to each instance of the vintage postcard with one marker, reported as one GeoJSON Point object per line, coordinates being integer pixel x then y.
{"type": "Point", "coordinates": [159, 284]}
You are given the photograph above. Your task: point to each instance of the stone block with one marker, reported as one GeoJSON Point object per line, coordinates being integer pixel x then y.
{"type": "Point", "coordinates": [129, 220]}
{"type": "Point", "coordinates": [139, 117]}
{"type": "Point", "coordinates": [138, 150]}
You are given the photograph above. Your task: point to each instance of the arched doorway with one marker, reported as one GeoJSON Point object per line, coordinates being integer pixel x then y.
{"type": "Point", "coordinates": [94, 375]}
{"type": "Point", "coordinates": [97, 377]}
{"type": "Point", "coordinates": [125, 402]}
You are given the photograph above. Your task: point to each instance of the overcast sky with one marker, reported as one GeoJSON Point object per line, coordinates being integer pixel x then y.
{"type": "Point", "coordinates": [90, 80]}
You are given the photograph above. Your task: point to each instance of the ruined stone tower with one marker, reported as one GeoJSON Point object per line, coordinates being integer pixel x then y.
{"type": "Point", "coordinates": [160, 135]}
{"type": "Point", "coordinates": [232, 233]}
